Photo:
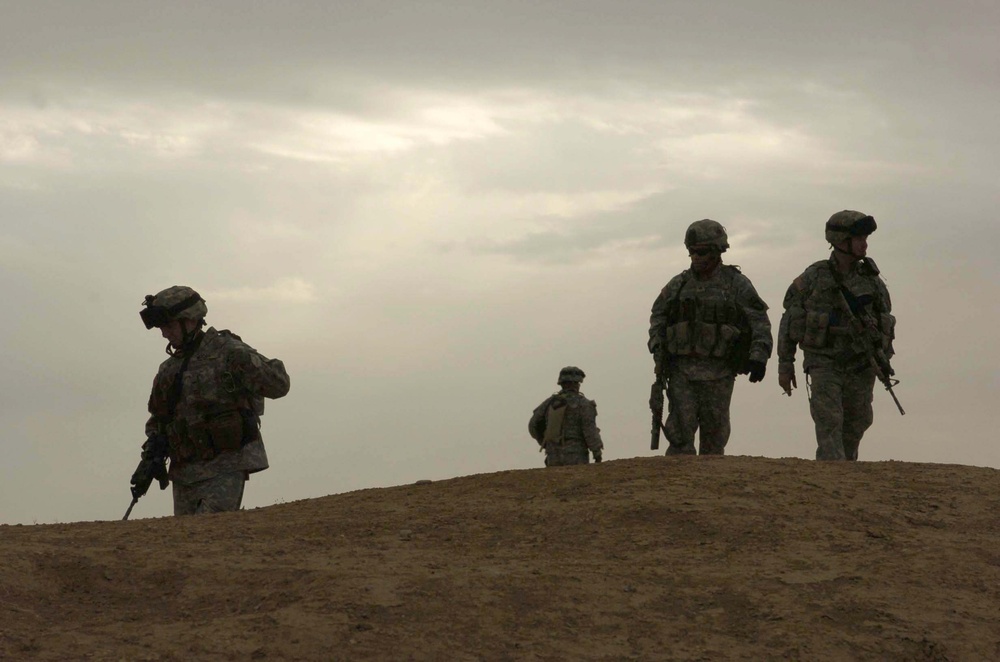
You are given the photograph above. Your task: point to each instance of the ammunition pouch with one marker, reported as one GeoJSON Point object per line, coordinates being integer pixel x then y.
{"type": "Point", "coordinates": [704, 339]}
{"type": "Point", "coordinates": [678, 339]}
{"type": "Point", "coordinates": [219, 433]}
{"type": "Point", "coordinates": [816, 327]}
{"type": "Point", "coordinates": [225, 431]}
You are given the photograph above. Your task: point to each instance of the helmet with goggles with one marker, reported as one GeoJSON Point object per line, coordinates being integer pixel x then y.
{"type": "Point", "coordinates": [846, 224]}
{"type": "Point", "coordinates": [173, 303]}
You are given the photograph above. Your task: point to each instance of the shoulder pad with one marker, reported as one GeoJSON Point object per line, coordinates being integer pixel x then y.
{"type": "Point", "coordinates": [676, 280]}
{"type": "Point", "coordinates": [870, 266]}
{"type": "Point", "coordinates": [800, 283]}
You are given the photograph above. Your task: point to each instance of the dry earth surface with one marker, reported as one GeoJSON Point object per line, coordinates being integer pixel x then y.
{"type": "Point", "coordinates": [693, 558]}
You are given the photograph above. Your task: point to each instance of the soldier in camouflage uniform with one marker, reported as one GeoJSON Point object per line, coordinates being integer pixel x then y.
{"type": "Point", "coordinates": [565, 424]}
{"type": "Point", "coordinates": [819, 307]}
{"type": "Point", "coordinates": [207, 399]}
{"type": "Point", "coordinates": [707, 325]}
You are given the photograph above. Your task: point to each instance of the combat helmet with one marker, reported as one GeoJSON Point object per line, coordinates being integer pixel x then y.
{"type": "Point", "coordinates": [173, 303]}
{"type": "Point", "coordinates": [570, 374]}
{"type": "Point", "coordinates": [846, 224]}
{"type": "Point", "coordinates": [707, 232]}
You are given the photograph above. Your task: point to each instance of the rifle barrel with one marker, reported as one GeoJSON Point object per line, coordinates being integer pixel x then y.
{"type": "Point", "coordinates": [128, 512]}
{"type": "Point", "coordinates": [896, 400]}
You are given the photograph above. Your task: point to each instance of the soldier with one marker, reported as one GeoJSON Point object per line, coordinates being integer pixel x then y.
{"type": "Point", "coordinates": [565, 424]}
{"type": "Point", "coordinates": [822, 309]}
{"type": "Point", "coordinates": [205, 406]}
{"type": "Point", "coordinates": [707, 326]}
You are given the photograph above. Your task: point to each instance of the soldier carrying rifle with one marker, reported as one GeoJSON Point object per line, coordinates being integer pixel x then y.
{"type": "Point", "coordinates": [205, 408]}
{"type": "Point", "coordinates": [840, 313]}
{"type": "Point", "coordinates": [707, 326]}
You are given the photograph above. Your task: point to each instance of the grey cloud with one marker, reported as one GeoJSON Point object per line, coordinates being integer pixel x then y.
{"type": "Point", "coordinates": [306, 51]}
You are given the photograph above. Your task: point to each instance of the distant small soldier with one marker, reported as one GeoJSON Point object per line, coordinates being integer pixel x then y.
{"type": "Point", "coordinates": [205, 408]}
{"type": "Point", "coordinates": [839, 312]}
{"type": "Point", "coordinates": [565, 424]}
{"type": "Point", "coordinates": [707, 325]}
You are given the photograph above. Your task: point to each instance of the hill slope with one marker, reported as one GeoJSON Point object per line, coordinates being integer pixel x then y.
{"type": "Point", "coordinates": [694, 558]}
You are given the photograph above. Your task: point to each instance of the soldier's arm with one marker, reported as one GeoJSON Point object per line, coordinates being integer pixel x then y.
{"type": "Point", "coordinates": [536, 424]}
{"type": "Point", "coordinates": [794, 305]}
{"type": "Point", "coordinates": [884, 294]}
{"type": "Point", "coordinates": [591, 433]}
{"type": "Point", "coordinates": [658, 314]}
{"type": "Point", "coordinates": [257, 374]}
{"type": "Point", "coordinates": [157, 408]}
{"type": "Point", "coordinates": [755, 309]}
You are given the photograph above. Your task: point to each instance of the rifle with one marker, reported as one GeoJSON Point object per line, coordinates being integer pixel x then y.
{"type": "Point", "coordinates": [656, 407]}
{"type": "Point", "coordinates": [863, 330]}
{"type": "Point", "coordinates": [152, 464]}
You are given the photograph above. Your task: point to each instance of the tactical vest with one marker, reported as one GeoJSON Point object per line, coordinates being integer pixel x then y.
{"type": "Point", "coordinates": [708, 324]}
{"type": "Point", "coordinates": [823, 324]}
{"type": "Point", "coordinates": [211, 417]}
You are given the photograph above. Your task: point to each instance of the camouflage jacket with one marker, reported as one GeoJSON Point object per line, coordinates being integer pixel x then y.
{"type": "Point", "coordinates": [817, 316]}
{"type": "Point", "coordinates": [695, 324]}
{"type": "Point", "coordinates": [215, 423]}
{"type": "Point", "coordinates": [578, 423]}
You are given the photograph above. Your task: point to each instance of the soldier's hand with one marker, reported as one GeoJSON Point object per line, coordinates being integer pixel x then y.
{"type": "Point", "coordinates": [787, 382]}
{"type": "Point", "coordinates": [598, 457]}
{"type": "Point", "coordinates": [757, 370]}
{"type": "Point", "coordinates": [141, 478]}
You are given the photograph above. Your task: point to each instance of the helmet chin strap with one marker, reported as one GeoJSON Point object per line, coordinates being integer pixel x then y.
{"type": "Point", "coordinates": [838, 249]}
{"type": "Point", "coordinates": [188, 337]}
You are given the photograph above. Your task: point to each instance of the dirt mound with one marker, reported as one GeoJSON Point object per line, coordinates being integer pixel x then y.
{"type": "Point", "coordinates": [693, 558]}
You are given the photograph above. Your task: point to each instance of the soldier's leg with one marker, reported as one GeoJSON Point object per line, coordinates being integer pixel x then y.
{"type": "Point", "coordinates": [682, 416]}
{"type": "Point", "coordinates": [561, 457]}
{"type": "Point", "coordinates": [185, 499]}
{"type": "Point", "coordinates": [554, 457]}
{"type": "Point", "coordinates": [827, 409]}
{"type": "Point", "coordinates": [219, 494]}
{"type": "Point", "coordinates": [577, 456]}
{"type": "Point", "coordinates": [858, 415]}
{"type": "Point", "coordinates": [714, 398]}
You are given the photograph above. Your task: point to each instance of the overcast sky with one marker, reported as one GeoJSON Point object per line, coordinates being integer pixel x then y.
{"type": "Point", "coordinates": [427, 209]}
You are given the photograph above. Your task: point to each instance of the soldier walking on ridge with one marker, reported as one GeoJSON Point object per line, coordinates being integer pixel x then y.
{"type": "Point", "coordinates": [839, 312]}
{"type": "Point", "coordinates": [707, 325]}
{"type": "Point", "coordinates": [565, 424]}
{"type": "Point", "coordinates": [205, 408]}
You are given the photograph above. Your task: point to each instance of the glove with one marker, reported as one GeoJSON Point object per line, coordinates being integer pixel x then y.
{"type": "Point", "coordinates": [142, 478]}
{"type": "Point", "coordinates": [757, 370]}
{"type": "Point", "coordinates": [597, 457]}
{"type": "Point", "coordinates": [152, 464]}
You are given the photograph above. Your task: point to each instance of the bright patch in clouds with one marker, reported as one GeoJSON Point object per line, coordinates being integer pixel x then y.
{"type": "Point", "coordinates": [333, 137]}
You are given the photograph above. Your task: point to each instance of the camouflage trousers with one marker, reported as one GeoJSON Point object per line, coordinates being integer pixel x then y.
{"type": "Point", "coordinates": [694, 406]}
{"type": "Point", "coordinates": [560, 456]}
{"type": "Point", "coordinates": [214, 495]}
{"type": "Point", "coordinates": [840, 402]}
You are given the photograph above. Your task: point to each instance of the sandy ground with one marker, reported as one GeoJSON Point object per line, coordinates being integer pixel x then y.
{"type": "Point", "coordinates": [694, 558]}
